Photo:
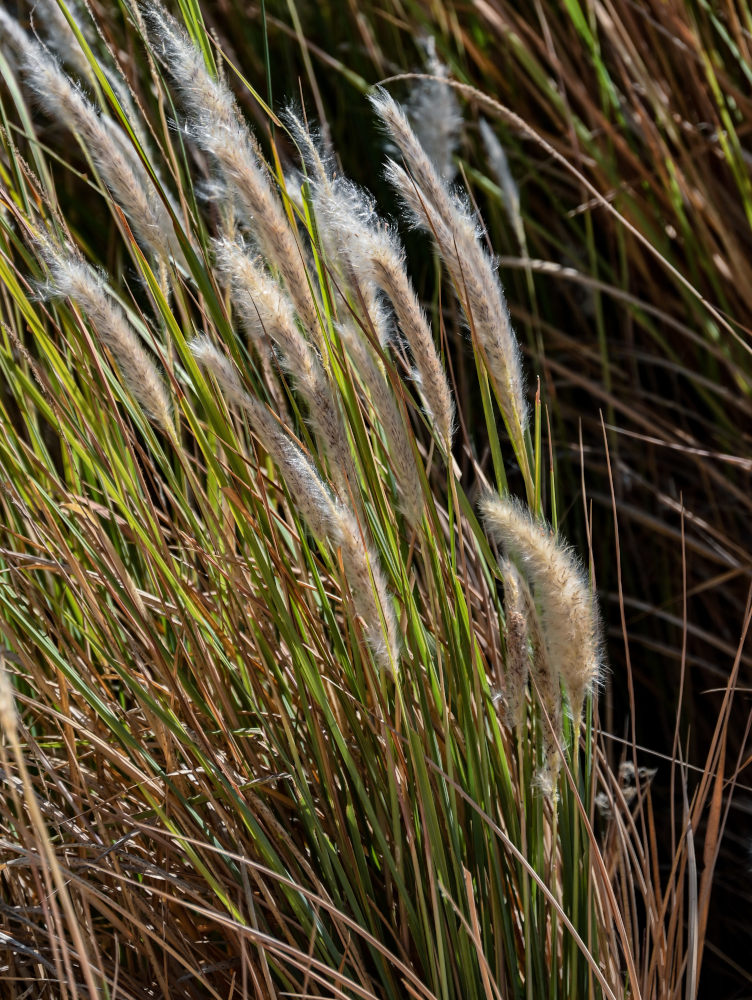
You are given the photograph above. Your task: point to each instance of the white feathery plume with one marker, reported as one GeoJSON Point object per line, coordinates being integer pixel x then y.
{"type": "Point", "coordinates": [14, 39]}
{"type": "Point", "coordinates": [444, 215]}
{"type": "Point", "coordinates": [375, 256]}
{"type": "Point", "coordinates": [214, 123]}
{"type": "Point", "coordinates": [497, 160]}
{"type": "Point", "coordinates": [568, 613]}
{"type": "Point", "coordinates": [434, 113]}
{"type": "Point", "coordinates": [61, 37]}
{"type": "Point", "coordinates": [63, 40]}
{"type": "Point", "coordinates": [266, 311]}
{"type": "Point", "coordinates": [328, 518]}
{"type": "Point", "coordinates": [118, 165]}
{"type": "Point", "coordinates": [73, 278]}
{"type": "Point", "coordinates": [391, 420]}
{"type": "Point", "coordinates": [374, 260]}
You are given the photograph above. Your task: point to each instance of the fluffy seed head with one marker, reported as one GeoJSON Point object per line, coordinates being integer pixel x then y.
{"type": "Point", "coordinates": [214, 123]}
{"type": "Point", "coordinates": [104, 141]}
{"type": "Point", "coordinates": [266, 312]}
{"type": "Point", "coordinates": [72, 277]}
{"type": "Point", "coordinates": [447, 219]}
{"type": "Point", "coordinates": [15, 41]}
{"type": "Point", "coordinates": [518, 655]}
{"type": "Point", "coordinates": [499, 164]}
{"type": "Point", "coordinates": [434, 113]}
{"type": "Point", "coordinates": [567, 608]}
{"type": "Point", "coordinates": [374, 261]}
{"type": "Point", "coordinates": [61, 36]}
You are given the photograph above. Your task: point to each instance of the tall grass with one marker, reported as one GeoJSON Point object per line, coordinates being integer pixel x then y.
{"type": "Point", "coordinates": [281, 713]}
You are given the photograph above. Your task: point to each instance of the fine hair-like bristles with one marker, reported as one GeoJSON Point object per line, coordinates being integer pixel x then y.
{"type": "Point", "coordinates": [497, 160]}
{"type": "Point", "coordinates": [567, 608]}
{"type": "Point", "coordinates": [73, 278]}
{"type": "Point", "coordinates": [215, 125]}
{"type": "Point", "coordinates": [434, 113]}
{"type": "Point", "coordinates": [443, 215]}
{"type": "Point", "coordinates": [373, 256]}
{"type": "Point", "coordinates": [265, 309]}
{"type": "Point", "coordinates": [120, 169]}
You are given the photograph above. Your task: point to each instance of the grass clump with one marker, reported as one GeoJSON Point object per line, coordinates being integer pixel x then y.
{"type": "Point", "coordinates": [266, 724]}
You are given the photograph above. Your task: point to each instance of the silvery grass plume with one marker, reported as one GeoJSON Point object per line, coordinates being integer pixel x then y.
{"type": "Point", "coordinates": [373, 256]}
{"type": "Point", "coordinates": [329, 519]}
{"type": "Point", "coordinates": [214, 124]}
{"type": "Point", "coordinates": [61, 37]}
{"type": "Point", "coordinates": [568, 613]}
{"type": "Point", "coordinates": [517, 644]}
{"type": "Point", "coordinates": [434, 113]}
{"type": "Point", "coordinates": [545, 676]}
{"type": "Point", "coordinates": [444, 215]}
{"type": "Point", "coordinates": [14, 39]}
{"type": "Point", "coordinates": [389, 418]}
{"type": "Point", "coordinates": [526, 645]}
{"type": "Point", "coordinates": [266, 312]}
{"type": "Point", "coordinates": [510, 194]}
{"type": "Point", "coordinates": [71, 277]}
{"type": "Point", "coordinates": [105, 143]}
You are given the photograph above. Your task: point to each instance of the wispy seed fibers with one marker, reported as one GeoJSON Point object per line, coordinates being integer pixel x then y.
{"type": "Point", "coordinates": [567, 607]}
{"type": "Point", "coordinates": [70, 276]}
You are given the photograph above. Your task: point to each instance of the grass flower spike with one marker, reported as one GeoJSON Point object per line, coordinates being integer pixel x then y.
{"type": "Point", "coordinates": [215, 125]}
{"type": "Point", "coordinates": [72, 277]}
{"type": "Point", "coordinates": [566, 605]}
{"type": "Point", "coordinates": [267, 312]}
{"type": "Point", "coordinates": [108, 147]}
{"type": "Point", "coordinates": [443, 215]}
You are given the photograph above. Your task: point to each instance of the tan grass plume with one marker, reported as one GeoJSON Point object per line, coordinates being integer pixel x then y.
{"type": "Point", "coordinates": [448, 220]}
{"type": "Point", "coordinates": [120, 168]}
{"type": "Point", "coordinates": [567, 607]}
{"type": "Point", "coordinates": [73, 278]}
{"type": "Point", "coordinates": [214, 124]}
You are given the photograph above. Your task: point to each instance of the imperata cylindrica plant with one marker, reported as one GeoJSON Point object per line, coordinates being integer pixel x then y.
{"type": "Point", "coordinates": [105, 143]}
{"type": "Point", "coordinates": [215, 125]}
{"type": "Point", "coordinates": [71, 277]}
